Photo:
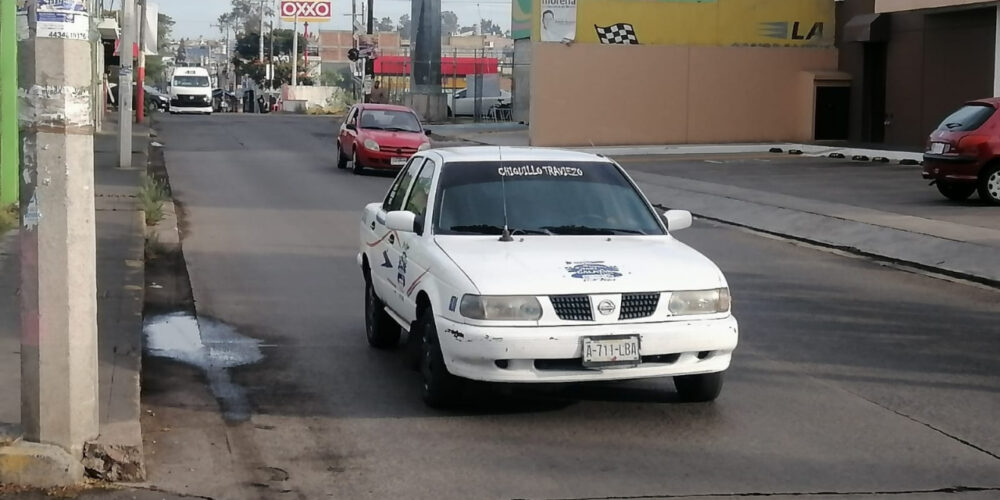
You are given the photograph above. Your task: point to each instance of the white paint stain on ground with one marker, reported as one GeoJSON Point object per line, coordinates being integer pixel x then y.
{"type": "Point", "coordinates": [210, 345]}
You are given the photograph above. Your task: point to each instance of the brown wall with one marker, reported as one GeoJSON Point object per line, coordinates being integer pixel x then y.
{"type": "Point", "coordinates": [614, 94]}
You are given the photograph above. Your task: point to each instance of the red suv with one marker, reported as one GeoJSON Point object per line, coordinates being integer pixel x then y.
{"type": "Point", "coordinates": [380, 136]}
{"type": "Point", "coordinates": [963, 154]}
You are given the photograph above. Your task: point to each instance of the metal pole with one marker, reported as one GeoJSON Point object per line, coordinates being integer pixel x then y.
{"type": "Point", "coordinates": [260, 56]}
{"type": "Point", "coordinates": [125, 85]}
{"type": "Point", "coordinates": [270, 57]}
{"type": "Point", "coordinates": [305, 54]}
{"type": "Point", "coordinates": [8, 104]}
{"type": "Point", "coordinates": [354, 43]}
{"type": "Point", "coordinates": [58, 294]}
{"type": "Point", "coordinates": [295, 51]}
{"type": "Point", "coordinates": [371, 17]}
{"type": "Point", "coordinates": [140, 111]}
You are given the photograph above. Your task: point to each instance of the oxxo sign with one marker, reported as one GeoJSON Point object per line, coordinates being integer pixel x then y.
{"type": "Point", "coordinates": [307, 11]}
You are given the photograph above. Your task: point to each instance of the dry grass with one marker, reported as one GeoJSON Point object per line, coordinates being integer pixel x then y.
{"type": "Point", "coordinates": [8, 218]}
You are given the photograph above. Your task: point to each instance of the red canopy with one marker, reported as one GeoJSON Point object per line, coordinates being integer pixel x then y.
{"type": "Point", "coordinates": [462, 66]}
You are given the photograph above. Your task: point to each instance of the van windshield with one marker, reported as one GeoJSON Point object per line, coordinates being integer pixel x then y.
{"type": "Point", "coordinates": [190, 81]}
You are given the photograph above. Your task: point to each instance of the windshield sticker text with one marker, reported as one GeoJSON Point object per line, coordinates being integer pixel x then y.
{"type": "Point", "coordinates": [537, 170]}
{"type": "Point", "coordinates": [596, 270]}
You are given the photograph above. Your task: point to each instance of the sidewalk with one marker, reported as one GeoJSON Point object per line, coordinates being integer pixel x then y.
{"type": "Point", "coordinates": [117, 453]}
{"type": "Point", "coordinates": [884, 210]}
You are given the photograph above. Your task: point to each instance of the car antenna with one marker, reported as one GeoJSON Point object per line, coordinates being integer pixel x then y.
{"type": "Point", "coordinates": [505, 235]}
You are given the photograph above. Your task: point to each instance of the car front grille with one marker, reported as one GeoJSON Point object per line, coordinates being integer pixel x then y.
{"type": "Point", "coordinates": [638, 305]}
{"type": "Point", "coordinates": [572, 307]}
{"type": "Point", "coordinates": [398, 150]}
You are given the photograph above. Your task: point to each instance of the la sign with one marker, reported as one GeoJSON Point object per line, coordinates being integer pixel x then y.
{"type": "Point", "coordinates": [308, 11]}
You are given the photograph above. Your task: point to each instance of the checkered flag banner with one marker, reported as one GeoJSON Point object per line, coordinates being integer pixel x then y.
{"type": "Point", "coordinates": [621, 33]}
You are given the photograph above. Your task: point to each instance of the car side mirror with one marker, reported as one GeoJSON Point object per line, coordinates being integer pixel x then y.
{"type": "Point", "coordinates": [427, 132]}
{"type": "Point", "coordinates": [401, 220]}
{"type": "Point", "coordinates": [351, 126]}
{"type": "Point", "coordinates": [677, 219]}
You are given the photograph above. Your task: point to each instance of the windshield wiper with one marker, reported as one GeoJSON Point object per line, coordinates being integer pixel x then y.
{"type": "Point", "coordinates": [494, 230]}
{"type": "Point", "coordinates": [587, 230]}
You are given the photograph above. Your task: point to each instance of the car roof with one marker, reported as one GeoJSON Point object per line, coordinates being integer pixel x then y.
{"type": "Point", "coordinates": [992, 101]}
{"type": "Point", "coordinates": [384, 107]}
{"type": "Point", "coordinates": [513, 154]}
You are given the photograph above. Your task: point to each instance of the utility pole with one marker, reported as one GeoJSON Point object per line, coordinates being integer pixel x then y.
{"type": "Point", "coordinates": [354, 43]}
{"type": "Point", "coordinates": [270, 58]}
{"type": "Point", "coordinates": [8, 104]}
{"type": "Point", "coordinates": [260, 56]}
{"type": "Point", "coordinates": [125, 85]}
{"type": "Point", "coordinates": [58, 299]}
{"type": "Point", "coordinates": [295, 51]}
{"type": "Point", "coordinates": [140, 99]}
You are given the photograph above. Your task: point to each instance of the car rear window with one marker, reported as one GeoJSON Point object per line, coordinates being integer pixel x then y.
{"type": "Point", "coordinates": [967, 118]}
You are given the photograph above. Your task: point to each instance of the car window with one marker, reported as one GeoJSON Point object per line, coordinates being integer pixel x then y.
{"type": "Point", "coordinates": [400, 121]}
{"type": "Point", "coordinates": [421, 190]}
{"type": "Point", "coordinates": [460, 94]}
{"type": "Point", "coordinates": [552, 198]}
{"type": "Point", "coordinates": [397, 193]}
{"type": "Point", "coordinates": [190, 81]}
{"type": "Point", "coordinates": [353, 115]}
{"type": "Point", "coordinates": [968, 118]}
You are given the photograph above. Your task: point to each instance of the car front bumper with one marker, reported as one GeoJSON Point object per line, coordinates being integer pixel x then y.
{"type": "Point", "coordinates": [554, 354]}
{"type": "Point", "coordinates": [382, 159]}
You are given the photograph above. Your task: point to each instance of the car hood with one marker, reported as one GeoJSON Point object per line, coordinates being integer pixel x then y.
{"type": "Point", "coordinates": [396, 139]}
{"type": "Point", "coordinates": [557, 265]}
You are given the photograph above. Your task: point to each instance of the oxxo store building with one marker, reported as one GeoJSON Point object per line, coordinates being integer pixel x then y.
{"type": "Point", "coordinates": [677, 71]}
{"type": "Point", "coordinates": [913, 62]}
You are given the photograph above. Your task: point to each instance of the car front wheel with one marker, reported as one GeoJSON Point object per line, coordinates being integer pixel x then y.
{"type": "Point", "coordinates": [341, 161]}
{"type": "Point", "coordinates": [989, 184]}
{"type": "Point", "coordinates": [440, 388]}
{"type": "Point", "coordinates": [382, 331]}
{"type": "Point", "coordinates": [699, 388]}
{"type": "Point", "coordinates": [957, 191]}
{"type": "Point", "coordinates": [358, 169]}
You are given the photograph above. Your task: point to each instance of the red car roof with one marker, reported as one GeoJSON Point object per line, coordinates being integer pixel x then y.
{"type": "Point", "coordinates": [992, 101]}
{"type": "Point", "coordinates": [385, 107]}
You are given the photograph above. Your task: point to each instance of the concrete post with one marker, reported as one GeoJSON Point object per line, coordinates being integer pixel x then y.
{"type": "Point", "coordinates": [8, 104]}
{"type": "Point", "coordinates": [59, 378]}
{"type": "Point", "coordinates": [125, 85]}
{"type": "Point", "coordinates": [295, 51]}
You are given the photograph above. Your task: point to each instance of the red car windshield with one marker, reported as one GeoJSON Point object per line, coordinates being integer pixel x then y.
{"type": "Point", "coordinates": [967, 118]}
{"type": "Point", "coordinates": [397, 121]}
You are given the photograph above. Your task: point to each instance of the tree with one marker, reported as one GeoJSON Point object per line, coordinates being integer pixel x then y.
{"type": "Point", "coordinates": [449, 23]}
{"type": "Point", "coordinates": [385, 24]}
{"type": "Point", "coordinates": [337, 78]}
{"type": "Point", "coordinates": [246, 14]}
{"type": "Point", "coordinates": [246, 51]}
{"type": "Point", "coordinates": [181, 56]}
{"type": "Point", "coordinates": [164, 27]}
{"type": "Point", "coordinates": [488, 27]}
{"type": "Point", "coordinates": [404, 27]}
{"type": "Point", "coordinates": [155, 71]}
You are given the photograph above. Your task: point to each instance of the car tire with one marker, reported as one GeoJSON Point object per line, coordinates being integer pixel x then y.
{"type": "Point", "coordinates": [358, 168]}
{"type": "Point", "coordinates": [341, 161]}
{"type": "Point", "coordinates": [450, 113]}
{"type": "Point", "coordinates": [440, 388]}
{"type": "Point", "coordinates": [989, 184]}
{"type": "Point", "coordinates": [956, 191]}
{"type": "Point", "coordinates": [382, 331]}
{"type": "Point", "coordinates": [699, 388]}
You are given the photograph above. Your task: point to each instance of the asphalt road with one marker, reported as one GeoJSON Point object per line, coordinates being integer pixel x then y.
{"type": "Point", "coordinates": [851, 377]}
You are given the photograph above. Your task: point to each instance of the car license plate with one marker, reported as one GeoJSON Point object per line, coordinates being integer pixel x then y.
{"type": "Point", "coordinates": [397, 161]}
{"type": "Point", "coordinates": [611, 351]}
{"type": "Point", "coordinates": [937, 147]}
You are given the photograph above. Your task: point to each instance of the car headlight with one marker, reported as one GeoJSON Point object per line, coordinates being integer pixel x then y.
{"type": "Point", "coordinates": [371, 145]}
{"type": "Point", "coordinates": [501, 308]}
{"type": "Point", "coordinates": [424, 147]}
{"type": "Point", "coordinates": [699, 302]}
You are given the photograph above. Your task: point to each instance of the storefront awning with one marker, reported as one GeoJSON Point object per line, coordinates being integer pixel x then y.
{"type": "Point", "coordinates": [867, 28]}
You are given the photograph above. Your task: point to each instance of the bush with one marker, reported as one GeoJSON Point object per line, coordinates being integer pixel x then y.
{"type": "Point", "coordinates": [8, 218]}
{"type": "Point", "coordinates": [152, 194]}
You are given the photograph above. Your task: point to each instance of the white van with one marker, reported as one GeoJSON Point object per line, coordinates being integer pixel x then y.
{"type": "Point", "coordinates": [190, 91]}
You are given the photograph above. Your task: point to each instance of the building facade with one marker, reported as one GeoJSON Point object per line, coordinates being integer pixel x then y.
{"type": "Point", "coordinates": [913, 62]}
{"type": "Point", "coordinates": [626, 72]}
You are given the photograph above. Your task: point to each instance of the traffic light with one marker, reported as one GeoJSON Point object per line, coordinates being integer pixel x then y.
{"type": "Point", "coordinates": [353, 54]}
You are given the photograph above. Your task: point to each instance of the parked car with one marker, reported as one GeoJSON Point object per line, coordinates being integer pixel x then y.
{"type": "Point", "coordinates": [526, 265]}
{"type": "Point", "coordinates": [155, 99]}
{"type": "Point", "coordinates": [463, 102]}
{"type": "Point", "coordinates": [963, 154]}
{"type": "Point", "coordinates": [380, 136]}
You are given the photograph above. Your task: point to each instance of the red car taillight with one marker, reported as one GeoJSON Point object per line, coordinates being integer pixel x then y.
{"type": "Point", "coordinates": [971, 145]}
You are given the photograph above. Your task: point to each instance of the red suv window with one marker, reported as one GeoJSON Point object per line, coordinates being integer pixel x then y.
{"type": "Point", "coordinates": [967, 118]}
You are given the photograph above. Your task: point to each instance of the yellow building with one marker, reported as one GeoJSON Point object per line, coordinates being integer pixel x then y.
{"type": "Point", "coordinates": [676, 71]}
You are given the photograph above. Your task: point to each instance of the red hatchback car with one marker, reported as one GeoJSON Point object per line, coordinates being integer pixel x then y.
{"type": "Point", "coordinates": [380, 136]}
{"type": "Point", "coordinates": [963, 154]}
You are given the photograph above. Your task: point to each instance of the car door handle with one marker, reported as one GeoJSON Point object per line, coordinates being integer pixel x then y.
{"type": "Point", "coordinates": [373, 225]}
{"type": "Point", "coordinates": [392, 239]}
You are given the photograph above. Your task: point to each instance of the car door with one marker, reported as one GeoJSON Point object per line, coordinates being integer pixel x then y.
{"type": "Point", "coordinates": [385, 259]}
{"type": "Point", "coordinates": [414, 257]}
{"type": "Point", "coordinates": [347, 135]}
{"type": "Point", "coordinates": [463, 103]}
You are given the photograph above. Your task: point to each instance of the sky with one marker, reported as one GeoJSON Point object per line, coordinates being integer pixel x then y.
{"type": "Point", "coordinates": [194, 17]}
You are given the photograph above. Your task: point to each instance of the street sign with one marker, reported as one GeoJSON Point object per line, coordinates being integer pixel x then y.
{"type": "Point", "coordinates": [308, 11]}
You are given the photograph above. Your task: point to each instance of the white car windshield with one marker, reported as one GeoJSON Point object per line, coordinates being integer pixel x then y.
{"type": "Point", "coordinates": [399, 121]}
{"type": "Point", "coordinates": [190, 81]}
{"type": "Point", "coordinates": [553, 198]}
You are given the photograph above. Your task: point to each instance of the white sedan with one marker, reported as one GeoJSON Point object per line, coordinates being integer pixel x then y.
{"type": "Point", "coordinates": [463, 103]}
{"type": "Point", "coordinates": [539, 266]}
